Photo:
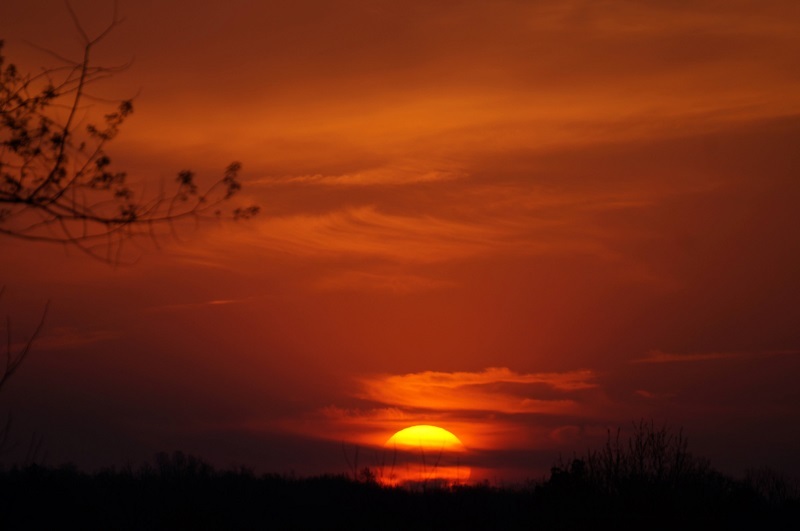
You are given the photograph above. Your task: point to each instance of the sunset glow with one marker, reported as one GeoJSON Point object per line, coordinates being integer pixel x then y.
{"type": "Point", "coordinates": [425, 454]}
{"type": "Point", "coordinates": [490, 230]}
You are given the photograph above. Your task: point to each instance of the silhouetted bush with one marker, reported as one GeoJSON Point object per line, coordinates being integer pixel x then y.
{"type": "Point", "coordinates": [647, 482]}
{"type": "Point", "coordinates": [651, 479]}
{"type": "Point", "coordinates": [774, 487]}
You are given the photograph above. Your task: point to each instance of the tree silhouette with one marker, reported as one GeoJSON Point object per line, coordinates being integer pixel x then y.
{"type": "Point", "coordinates": [57, 183]}
{"type": "Point", "coordinates": [11, 359]}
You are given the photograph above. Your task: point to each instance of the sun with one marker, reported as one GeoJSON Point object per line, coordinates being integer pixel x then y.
{"type": "Point", "coordinates": [426, 437]}
{"type": "Point", "coordinates": [426, 455]}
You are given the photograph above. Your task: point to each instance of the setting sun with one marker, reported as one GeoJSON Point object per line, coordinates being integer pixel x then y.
{"type": "Point", "coordinates": [426, 455]}
{"type": "Point", "coordinates": [425, 437]}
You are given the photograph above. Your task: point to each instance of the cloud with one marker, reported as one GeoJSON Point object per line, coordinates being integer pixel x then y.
{"type": "Point", "coordinates": [495, 389]}
{"type": "Point", "coordinates": [656, 356]}
{"type": "Point", "coordinates": [398, 173]}
{"type": "Point", "coordinates": [496, 407]}
{"type": "Point", "coordinates": [64, 337]}
{"type": "Point", "coordinates": [501, 219]}
{"type": "Point", "coordinates": [361, 415]}
{"type": "Point", "coordinates": [382, 282]}
{"type": "Point", "coordinates": [367, 231]}
{"type": "Point", "coordinates": [202, 304]}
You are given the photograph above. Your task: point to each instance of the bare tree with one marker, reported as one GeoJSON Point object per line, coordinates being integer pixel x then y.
{"type": "Point", "coordinates": [57, 183]}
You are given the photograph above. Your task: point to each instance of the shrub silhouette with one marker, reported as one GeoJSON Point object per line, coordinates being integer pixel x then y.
{"type": "Point", "coordinates": [629, 481]}
{"type": "Point", "coordinates": [651, 458]}
{"type": "Point", "coordinates": [648, 481]}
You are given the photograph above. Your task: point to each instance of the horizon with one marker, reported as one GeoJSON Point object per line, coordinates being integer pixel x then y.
{"type": "Point", "coordinates": [526, 223]}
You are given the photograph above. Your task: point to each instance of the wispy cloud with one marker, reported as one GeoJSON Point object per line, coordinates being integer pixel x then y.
{"type": "Point", "coordinates": [494, 389]}
{"type": "Point", "coordinates": [485, 408]}
{"type": "Point", "coordinates": [399, 173]}
{"type": "Point", "coordinates": [374, 414]}
{"type": "Point", "coordinates": [201, 304]}
{"type": "Point", "coordinates": [657, 356]}
{"type": "Point", "coordinates": [398, 283]}
{"type": "Point", "coordinates": [366, 231]}
{"type": "Point", "coordinates": [68, 337]}
{"type": "Point", "coordinates": [504, 220]}
{"type": "Point", "coordinates": [387, 247]}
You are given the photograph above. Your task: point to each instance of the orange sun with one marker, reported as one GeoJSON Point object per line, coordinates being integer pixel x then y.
{"type": "Point", "coordinates": [425, 455]}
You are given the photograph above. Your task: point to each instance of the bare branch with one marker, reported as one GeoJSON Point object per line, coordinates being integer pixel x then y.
{"type": "Point", "coordinates": [52, 53]}
{"type": "Point", "coordinates": [14, 360]}
{"type": "Point", "coordinates": [77, 22]}
{"type": "Point", "coordinates": [57, 182]}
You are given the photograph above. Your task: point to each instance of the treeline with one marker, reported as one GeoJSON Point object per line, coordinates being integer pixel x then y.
{"type": "Point", "coordinates": [648, 481]}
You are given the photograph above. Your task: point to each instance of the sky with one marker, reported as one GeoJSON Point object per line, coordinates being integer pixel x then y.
{"type": "Point", "coordinates": [525, 222]}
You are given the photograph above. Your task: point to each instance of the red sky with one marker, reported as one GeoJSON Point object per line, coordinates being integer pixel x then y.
{"type": "Point", "coordinates": [523, 221]}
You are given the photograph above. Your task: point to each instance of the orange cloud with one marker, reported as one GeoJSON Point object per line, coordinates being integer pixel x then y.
{"type": "Point", "coordinates": [400, 172]}
{"type": "Point", "coordinates": [202, 304]}
{"type": "Point", "coordinates": [486, 409]}
{"type": "Point", "coordinates": [656, 356]}
{"type": "Point", "coordinates": [384, 282]}
{"type": "Point", "coordinates": [68, 337]}
{"type": "Point", "coordinates": [366, 231]}
{"type": "Point", "coordinates": [494, 389]}
{"type": "Point", "coordinates": [503, 219]}
{"type": "Point", "coordinates": [360, 415]}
